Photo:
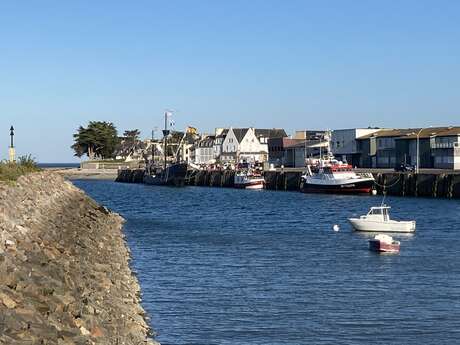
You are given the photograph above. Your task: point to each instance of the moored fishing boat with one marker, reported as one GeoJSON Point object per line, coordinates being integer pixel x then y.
{"type": "Point", "coordinates": [329, 175]}
{"type": "Point", "coordinates": [172, 174]}
{"type": "Point", "coordinates": [332, 176]}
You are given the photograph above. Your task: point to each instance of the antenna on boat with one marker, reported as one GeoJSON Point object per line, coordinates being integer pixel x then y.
{"type": "Point", "coordinates": [384, 192]}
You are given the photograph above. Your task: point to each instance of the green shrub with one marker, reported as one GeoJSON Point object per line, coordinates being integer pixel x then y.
{"type": "Point", "coordinates": [11, 171]}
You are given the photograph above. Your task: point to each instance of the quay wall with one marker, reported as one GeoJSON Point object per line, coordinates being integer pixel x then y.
{"type": "Point", "coordinates": [64, 268]}
{"type": "Point", "coordinates": [440, 185]}
{"type": "Point", "coordinates": [419, 185]}
{"type": "Point", "coordinates": [130, 175]}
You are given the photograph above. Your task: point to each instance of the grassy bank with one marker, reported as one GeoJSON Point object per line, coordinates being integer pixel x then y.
{"type": "Point", "coordinates": [11, 171]}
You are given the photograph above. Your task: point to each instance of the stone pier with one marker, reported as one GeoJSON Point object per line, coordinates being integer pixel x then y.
{"type": "Point", "coordinates": [64, 272]}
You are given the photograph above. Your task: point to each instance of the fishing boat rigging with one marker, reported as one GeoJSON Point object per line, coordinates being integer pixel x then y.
{"type": "Point", "coordinates": [172, 174]}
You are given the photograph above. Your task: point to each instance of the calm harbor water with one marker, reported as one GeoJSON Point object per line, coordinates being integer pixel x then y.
{"type": "Point", "coordinates": [225, 266]}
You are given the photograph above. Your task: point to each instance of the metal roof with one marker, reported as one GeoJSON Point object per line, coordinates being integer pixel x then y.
{"type": "Point", "coordinates": [388, 133]}
{"type": "Point", "coordinates": [411, 133]}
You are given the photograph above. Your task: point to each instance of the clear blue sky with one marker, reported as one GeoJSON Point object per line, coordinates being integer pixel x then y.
{"type": "Point", "coordinates": [291, 64]}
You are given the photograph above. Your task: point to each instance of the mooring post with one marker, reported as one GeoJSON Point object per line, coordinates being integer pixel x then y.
{"type": "Point", "coordinates": [451, 186]}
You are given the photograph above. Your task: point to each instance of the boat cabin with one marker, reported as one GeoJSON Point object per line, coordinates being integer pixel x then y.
{"type": "Point", "coordinates": [380, 212]}
{"type": "Point", "coordinates": [337, 168]}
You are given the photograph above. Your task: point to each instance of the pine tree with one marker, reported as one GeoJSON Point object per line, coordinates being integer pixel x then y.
{"type": "Point", "coordinates": [98, 141]}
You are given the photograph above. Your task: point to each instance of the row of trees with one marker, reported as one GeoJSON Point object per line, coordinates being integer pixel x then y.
{"type": "Point", "coordinates": [100, 140]}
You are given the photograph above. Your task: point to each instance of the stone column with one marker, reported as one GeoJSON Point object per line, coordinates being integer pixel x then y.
{"type": "Point", "coordinates": [12, 154]}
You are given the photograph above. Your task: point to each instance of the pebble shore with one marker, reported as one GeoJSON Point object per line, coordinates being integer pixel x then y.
{"type": "Point", "coordinates": [64, 268]}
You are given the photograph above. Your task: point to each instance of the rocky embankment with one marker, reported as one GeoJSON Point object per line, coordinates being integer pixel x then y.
{"type": "Point", "coordinates": [64, 273]}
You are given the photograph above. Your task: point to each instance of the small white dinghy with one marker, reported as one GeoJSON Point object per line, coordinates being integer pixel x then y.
{"type": "Point", "coordinates": [382, 243]}
{"type": "Point", "coordinates": [378, 220]}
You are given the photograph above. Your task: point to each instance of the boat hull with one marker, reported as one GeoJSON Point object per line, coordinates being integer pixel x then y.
{"type": "Point", "coordinates": [248, 182]}
{"type": "Point", "coordinates": [357, 187]}
{"type": "Point", "coordinates": [250, 185]}
{"type": "Point", "coordinates": [388, 226]}
{"type": "Point", "coordinates": [174, 175]}
{"type": "Point", "coordinates": [382, 247]}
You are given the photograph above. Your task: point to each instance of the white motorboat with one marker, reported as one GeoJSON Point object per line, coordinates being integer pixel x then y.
{"type": "Point", "coordinates": [378, 220]}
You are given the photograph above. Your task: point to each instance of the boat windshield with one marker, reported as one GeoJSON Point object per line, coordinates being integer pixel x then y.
{"type": "Point", "coordinates": [379, 211]}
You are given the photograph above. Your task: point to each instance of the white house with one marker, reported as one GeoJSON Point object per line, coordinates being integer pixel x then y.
{"type": "Point", "coordinates": [204, 150]}
{"type": "Point", "coordinates": [247, 144]}
{"type": "Point", "coordinates": [220, 134]}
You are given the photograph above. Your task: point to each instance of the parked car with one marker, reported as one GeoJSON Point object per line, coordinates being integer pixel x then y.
{"type": "Point", "coordinates": [404, 167]}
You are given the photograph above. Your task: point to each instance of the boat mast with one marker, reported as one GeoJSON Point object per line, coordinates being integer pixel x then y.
{"type": "Point", "coordinates": [165, 135]}
{"type": "Point", "coordinates": [320, 152]}
{"type": "Point", "coordinates": [153, 148]}
{"type": "Point", "coordinates": [305, 150]}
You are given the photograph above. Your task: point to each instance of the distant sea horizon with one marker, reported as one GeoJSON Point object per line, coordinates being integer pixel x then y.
{"type": "Point", "coordinates": [58, 165]}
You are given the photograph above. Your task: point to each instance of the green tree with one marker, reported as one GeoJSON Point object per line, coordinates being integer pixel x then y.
{"type": "Point", "coordinates": [134, 134]}
{"type": "Point", "coordinates": [98, 141]}
{"type": "Point", "coordinates": [131, 137]}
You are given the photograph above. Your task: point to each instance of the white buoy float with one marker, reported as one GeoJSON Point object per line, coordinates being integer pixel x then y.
{"type": "Point", "coordinates": [336, 227]}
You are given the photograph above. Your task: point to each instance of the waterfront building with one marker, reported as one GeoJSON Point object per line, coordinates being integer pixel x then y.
{"type": "Point", "coordinates": [344, 145]}
{"type": "Point", "coordinates": [297, 154]}
{"type": "Point", "coordinates": [219, 134]}
{"type": "Point", "coordinates": [438, 147]}
{"type": "Point", "coordinates": [309, 134]}
{"type": "Point", "coordinates": [292, 153]}
{"type": "Point", "coordinates": [446, 149]}
{"type": "Point", "coordinates": [378, 149]}
{"type": "Point", "coordinates": [188, 141]}
{"type": "Point", "coordinates": [203, 150]}
{"type": "Point", "coordinates": [247, 144]}
{"type": "Point", "coordinates": [277, 150]}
